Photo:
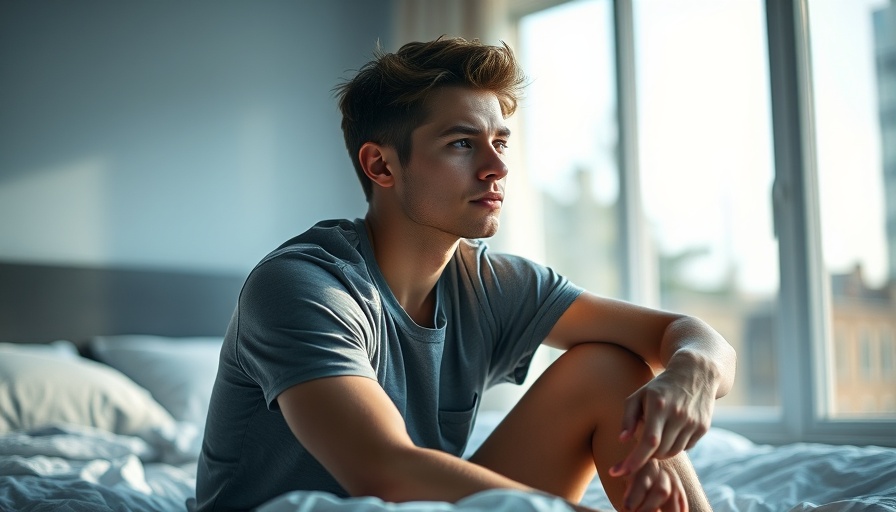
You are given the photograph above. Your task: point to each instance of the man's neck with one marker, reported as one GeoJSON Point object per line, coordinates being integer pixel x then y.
{"type": "Point", "coordinates": [411, 261]}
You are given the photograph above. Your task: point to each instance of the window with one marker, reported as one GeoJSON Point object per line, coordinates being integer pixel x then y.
{"type": "Point", "coordinates": [765, 173]}
{"type": "Point", "coordinates": [854, 87]}
{"type": "Point", "coordinates": [865, 351]}
{"type": "Point", "coordinates": [706, 175]}
{"type": "Point", "coordinates": [569, 139]}
{"type": "Point", "coordinates": [843, 356]}
{"type": "Point", "coordinates": [888, 354]}
{"type": "Point", "coordinates": [563, 207]}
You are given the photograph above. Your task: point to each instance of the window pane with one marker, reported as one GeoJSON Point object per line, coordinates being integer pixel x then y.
{"type": "Point", "coordinates": [569, 138]}
{"type": "Point", "coordinates": [854, 83]}
{"type": "Point", "coordinates": [561, 208]}
{"type": "Point", "coordinates": [706, 174]}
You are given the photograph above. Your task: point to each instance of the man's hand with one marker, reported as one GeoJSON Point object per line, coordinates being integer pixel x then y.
{"type": "Point", "coordinates": [669, 414]}
{"type": "Point", "coordinates": [655, 487]}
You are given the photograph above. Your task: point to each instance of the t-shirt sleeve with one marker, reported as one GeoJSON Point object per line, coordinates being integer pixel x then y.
{"type": "Point", "coordinates": [525, 300]}
{"type": "Point", "coordinates": [300, 319]}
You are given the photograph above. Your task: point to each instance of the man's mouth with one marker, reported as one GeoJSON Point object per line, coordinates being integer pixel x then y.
{"type": "Point", "coordinates": [491, 200]}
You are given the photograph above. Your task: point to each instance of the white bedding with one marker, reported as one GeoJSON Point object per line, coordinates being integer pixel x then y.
{"type": "Point", "coordinates": [112, 455]}
{"type": "Point", "coordinates": [77, 468]}
{"type": "Point", "coordinates": [87, 469]}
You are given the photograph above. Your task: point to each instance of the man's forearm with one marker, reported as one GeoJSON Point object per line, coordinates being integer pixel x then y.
{"type": "Point", "coordinates": [415, 473]}
{"type": "Point", "coordinates": [421, 474]}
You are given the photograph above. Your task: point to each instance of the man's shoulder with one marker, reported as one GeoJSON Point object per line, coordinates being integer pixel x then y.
{"type": "Point", "coordinates": [326, 250]}
{"type": "Point", "coordinates": [332, 233]}
{"type": "Point", "coordinates": [323, 263]}
{"type": "Point", "coordinates": [328, 241]}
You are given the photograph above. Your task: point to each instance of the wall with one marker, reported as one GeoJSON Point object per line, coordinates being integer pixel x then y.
{"type": "Point", "coordinates": [188, 135]}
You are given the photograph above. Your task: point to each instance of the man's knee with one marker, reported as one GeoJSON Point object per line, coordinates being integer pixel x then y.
{"type": "Point", "coordinates": [579, 394]}
{"type": "Point", "coordinates": [586, 386]}
{"type": "Point", "coordinates": [601, 368]}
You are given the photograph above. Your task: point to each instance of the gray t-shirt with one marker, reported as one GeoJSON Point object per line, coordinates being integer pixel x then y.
{"type": "Point", "coordinates": [318, 306]}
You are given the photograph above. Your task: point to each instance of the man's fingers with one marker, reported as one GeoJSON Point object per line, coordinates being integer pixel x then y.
{"type": "Point", "coordinates": [681, 444]}
{"type": "Point", "coordinates": [678, 502]}
{"type": "Point", "coordinates": [670, 437]}
{"type": "Point", "coordinates": [687, 438]}
{"type": "Point", "coordinates": [642, 452]}
{"type": "Point", "coordinates": [630, 417]}
{"type": "Point", "coordinates": [655, 487]}
{"type": "Point", "coordinates": [659, 494]}
{"type": "Point", "coordinates": [638, 486]}
{"type": "Point", "coordinates": [677, 437]}
{"type": "Point", "coordinates": [650, 439]}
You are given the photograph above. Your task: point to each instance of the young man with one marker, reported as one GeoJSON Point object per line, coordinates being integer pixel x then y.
{"type": "Point", "coordinates": [359, 350]}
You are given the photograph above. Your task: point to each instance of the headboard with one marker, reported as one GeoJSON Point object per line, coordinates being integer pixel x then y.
{"type": "Point", "coordinates": [41, 303]}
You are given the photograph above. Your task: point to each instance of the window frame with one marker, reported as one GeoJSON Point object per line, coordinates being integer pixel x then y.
{"type": "Point", "coordinates": [804, 327]}
{"type": "Point", "coordinates": [805, 319]}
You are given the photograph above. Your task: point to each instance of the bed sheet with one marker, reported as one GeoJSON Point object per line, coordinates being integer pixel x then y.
{"type": "Point", "coordinates": [81, 469]}
{"type": "Point", "coordinates": [88, 469]}
{"type": "Point", "coordinates": [744, 477]}
{"type": "Point", "coordinates": [738, 475]}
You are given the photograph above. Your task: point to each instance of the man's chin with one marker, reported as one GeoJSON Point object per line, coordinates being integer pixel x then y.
{"type": "Point", "coordinates": [487, 231]}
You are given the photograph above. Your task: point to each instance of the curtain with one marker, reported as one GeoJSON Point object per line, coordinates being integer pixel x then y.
{"type": "Point", "coordinates": [423, 20]}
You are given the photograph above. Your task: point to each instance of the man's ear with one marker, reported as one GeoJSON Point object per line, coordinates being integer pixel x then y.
{"type": "Point", "coordinates": [376, 166]}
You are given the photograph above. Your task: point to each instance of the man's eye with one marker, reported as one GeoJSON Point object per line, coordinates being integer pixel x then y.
{"type": "Point", "coordinates": [501, 146]}
{"type": "Point", "coordinates": [463, 143]}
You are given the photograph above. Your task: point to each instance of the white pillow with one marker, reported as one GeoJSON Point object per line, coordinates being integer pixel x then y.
{"type": "Point", "coordinates": [39, 389]}
{"type": "Point", "coordinates": [61, 348]}
{"type": "Point", "coordinates": [179, 372]}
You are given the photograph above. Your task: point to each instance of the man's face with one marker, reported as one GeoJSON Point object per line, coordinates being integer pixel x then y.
{"type": "Point", "coordinates": [454, 179]}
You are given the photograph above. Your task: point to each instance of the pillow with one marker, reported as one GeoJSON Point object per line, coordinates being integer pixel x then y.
{"type": "Point", "coordinates": [178, 372]}
{"type": "Point", "coordinates": [61, 348]}
{"type": "Point", "coordinates": [40, 389]}
{"type": "Point", "coordinates": [719, 440]}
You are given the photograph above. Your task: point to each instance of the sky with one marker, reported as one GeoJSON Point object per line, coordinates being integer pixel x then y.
{"type": "Point", "coordinates": [704, 120]}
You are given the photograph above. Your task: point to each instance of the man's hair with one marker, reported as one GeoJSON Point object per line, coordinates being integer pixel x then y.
{"type": "Point", "coordinates": [386, 101]}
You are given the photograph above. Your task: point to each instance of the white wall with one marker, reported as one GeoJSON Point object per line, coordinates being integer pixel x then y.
{"type": "Point", "coordinates": [190, 135]}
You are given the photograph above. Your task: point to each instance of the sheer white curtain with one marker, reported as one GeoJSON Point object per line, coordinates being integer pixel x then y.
{"type": "Point", "coordinates": [421, 20]}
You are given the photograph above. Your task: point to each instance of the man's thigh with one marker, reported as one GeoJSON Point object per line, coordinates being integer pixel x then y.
{"type": "Point", "coordinates": [567, 424]}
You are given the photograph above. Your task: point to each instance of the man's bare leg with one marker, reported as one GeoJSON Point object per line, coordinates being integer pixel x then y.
{"type": "Point", "coordinates": [567, 426]}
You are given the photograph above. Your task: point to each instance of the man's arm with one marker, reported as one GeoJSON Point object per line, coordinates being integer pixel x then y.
{"type": "Point", "coordinates": [674, 409]}
{"type": "Point", "coordinates": [354, 430]}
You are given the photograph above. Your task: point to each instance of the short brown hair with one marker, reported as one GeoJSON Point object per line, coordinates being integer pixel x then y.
{"type": "Point", "coordinates": [386, 100]}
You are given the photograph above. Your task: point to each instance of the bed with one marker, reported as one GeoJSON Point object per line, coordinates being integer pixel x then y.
{"type": "Point", "coordinates": [105, 376]}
